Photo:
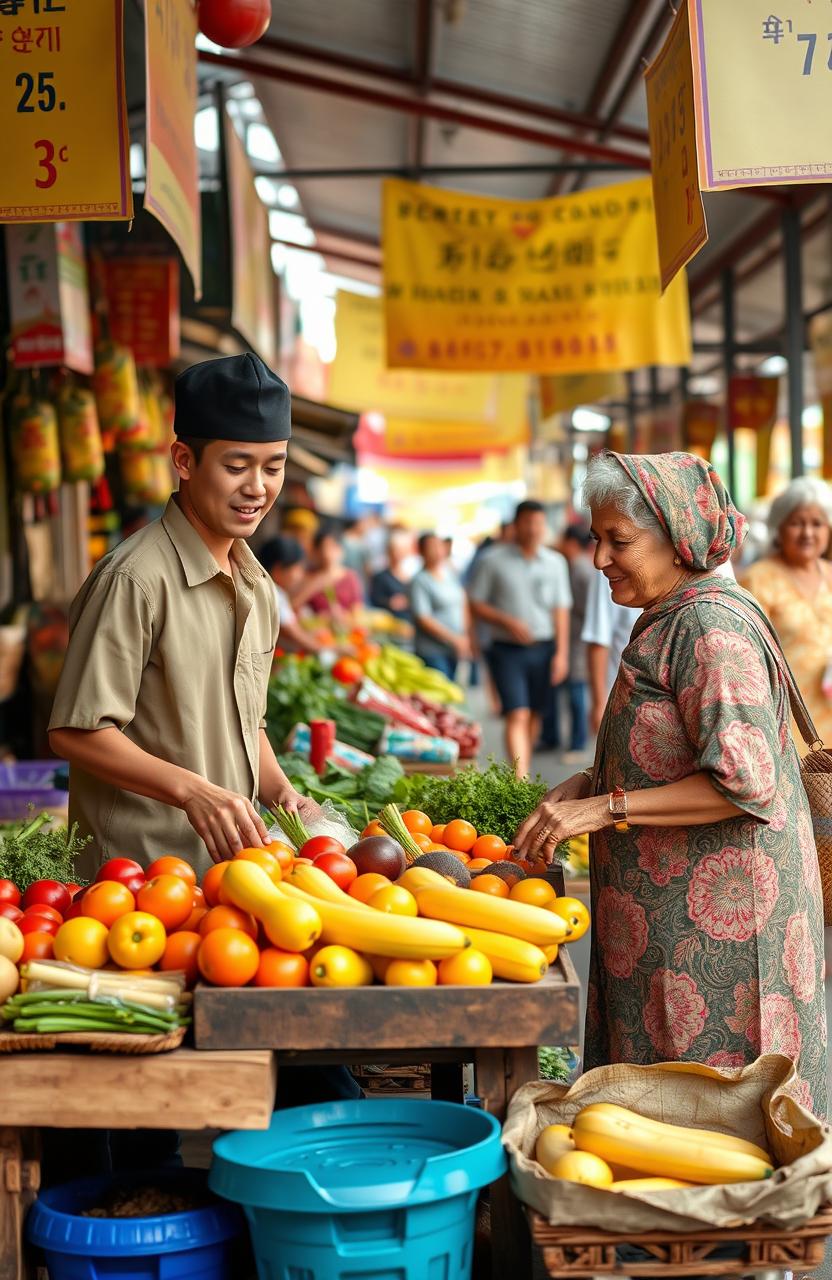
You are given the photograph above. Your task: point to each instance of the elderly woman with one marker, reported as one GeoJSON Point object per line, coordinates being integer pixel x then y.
{"type": "Point", "coordinates": [793, 586]}
{"type": "Point", "coordinates": [707, 914]}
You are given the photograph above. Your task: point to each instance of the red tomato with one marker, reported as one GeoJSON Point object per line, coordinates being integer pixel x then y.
{"type": "Point", "coordinates": [9, 892]}
{"type": "Point", "coordinates": [50, 892]}
{"type": "Point", "coordinates": [348, 671]}
{"type": "Point", "coordinates": [41, 909]}
{"type": "Point", "coordinates": [321, 844]}
{"type": "Point", "coordinates": [234, 24]}
{"type": "Point", "coordinates": [33, 923]}
{"type": "Point", "coordinates": [125, 870]}
{"type": "Point", "coordinates": [77, 908]}
{"type": "Point", "coordinates": [338, 867]}
{"type": "Point", "coordinates": [10, 911]}
{"type": "Point", "coordinates": [73, 887]}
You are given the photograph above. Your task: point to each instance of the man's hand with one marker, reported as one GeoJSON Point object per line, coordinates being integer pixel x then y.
{"type": "Point", "coordinates": [307, 809]}
{"type": "Point", "coordinates": [224, 821]}
{"type": "Point", "coordinates": [560, 669]}
{"type": "Point", "coordinates": [398, 602]}
{"type": "Point", "coordinates": [462, 647]}
{"type": "Point", "coordinates": [519, 632]}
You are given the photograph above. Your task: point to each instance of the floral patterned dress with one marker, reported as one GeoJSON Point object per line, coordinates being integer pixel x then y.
{"type": "Point", "coordinates": [707, 940]}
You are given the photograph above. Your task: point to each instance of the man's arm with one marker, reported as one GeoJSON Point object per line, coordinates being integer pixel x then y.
{"type": "Point", "coordinates": [597, 660]}
{"type": "Point", "coordinates": [560, 662]}
{"type": "Point", "coordinates": [274, 788]}
{"type": "Point", "coordinates": [225, 821]}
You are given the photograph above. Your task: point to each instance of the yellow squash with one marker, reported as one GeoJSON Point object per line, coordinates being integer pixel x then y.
{"type": "Point", "coordinates": [664, 1131]}
{"type": "Point", "coordinates": [651, 1184]}
{"type": "Point", "coordinates": [318, 883]}
{"type": "Point", "coordinates": [380, 934]}
{"type": "Point", "coordinates": [511, 958]}
{"type": "Point", "coordinates": [499, 915]}
{"type": "Point", "coordinates": [291, 926]}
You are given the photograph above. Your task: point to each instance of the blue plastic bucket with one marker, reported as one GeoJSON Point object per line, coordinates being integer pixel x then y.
{"type": "Point", "coordinates": [382, 1190]}
{"type": "Point", "coordinates": [208, 1242]}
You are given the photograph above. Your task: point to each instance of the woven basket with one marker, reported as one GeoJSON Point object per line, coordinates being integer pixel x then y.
{"type": "Point", "coordinates": [96, 1041]}
{"type": "Point", "coordinates": [816, 771]}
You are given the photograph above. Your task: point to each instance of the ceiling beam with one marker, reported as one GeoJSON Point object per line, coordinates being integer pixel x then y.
{"type": "Point", "coordinates": [405, 77]}
{"type": "Point", "coordinates": [438, 170]}
{"type": "Point", "coordinates": [429, 109]}
{"type": "Point", "coordinates": [424, 48]}
{"type": "Point", "coordinates": [744, 243]}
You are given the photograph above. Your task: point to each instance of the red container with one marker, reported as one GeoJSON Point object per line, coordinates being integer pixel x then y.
{"type": "Point", "coordinates": [322, 743]}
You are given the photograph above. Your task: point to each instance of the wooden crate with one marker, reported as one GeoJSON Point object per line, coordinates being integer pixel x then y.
{"type": "Point", "coordinates": [389, 1080]}
{"type": "Point", "coordinates": [584, 1252]}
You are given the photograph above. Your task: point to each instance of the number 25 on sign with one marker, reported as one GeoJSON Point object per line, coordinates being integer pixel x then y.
{"type": "Point", "coordinates": [61, 71]}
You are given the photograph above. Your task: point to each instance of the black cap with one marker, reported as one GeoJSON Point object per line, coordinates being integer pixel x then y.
{"type": "Point", "coordinates": [234, 398]}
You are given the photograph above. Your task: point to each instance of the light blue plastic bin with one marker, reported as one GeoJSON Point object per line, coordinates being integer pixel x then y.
{"type": "Point", "coordinates": [362, 1190]}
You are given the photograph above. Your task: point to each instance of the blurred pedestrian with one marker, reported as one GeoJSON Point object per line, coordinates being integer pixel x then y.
{"type": "Point", "coordinates": [440, 609]}
{"type": "Point", "coordinates": [521, 591]}
{"type": "Point", "coordinates": [575, 545]}
{"type": "Point", "coordinates": [390, 587]}
{"type": "Point", "coordinates": [301, 523]}
{"type": "Point", "coordinates": [284, 561]}
{"type": "Point", "coordinates": [330, 588]}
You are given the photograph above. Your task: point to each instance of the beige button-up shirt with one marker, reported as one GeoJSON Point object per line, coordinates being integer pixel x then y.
{"type": "Point", "coordinates": [170, 650]}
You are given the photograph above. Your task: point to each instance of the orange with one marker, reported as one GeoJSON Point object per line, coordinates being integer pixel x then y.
{"type": "Point", "coordinates": [417, 823]}
{"type": "Point", "coordinates": [437, 833]}
{"type": "Point", "coordinates": [479, 864]}
{"type": "Point", "coordinates": [373, 829]}
{"type": "Point", "coordinates": [469, 968]}
{"type": "Point", "coordinates": [486, 883]}
{"type": "Point", "coordinates": [284, 853]}
{"type": "Point", "coordinates": [169, 866]}
{"type": "Point", "coordinates": [410, 973]}
{"type": "Point", "coordinates": [180, 954]}
{"type": "Point", "coordinates": [533, 891]}
{"type": "Point", "coordinates": [574, 913]}
{"type": "Point", "coordinates": [106, 901]}
{"type": "Point", "coordinates": [82, 941]}
{"type": "Point", "coordinates": [211, 882]}
{"type": "Point", "coordinates": [363, 887]}
{"type": "Point", "coordinates": [191, 925]}
{"type": "Point", "coordinates": [228, 958]}
{"type": "Point", "coordinates": [460, 835]}
{"type": "Point", "coordinates": [228, 918]}
{"type": "Point", "coordinates": [262, 858]}
{"type": "Point", "coordinates": [281, 969]}
{"type": "Point", "coordinates": [424, 842]}
{"type": "Point", "coordinates": [37, 946]}
{"type": "Point", "coordinates": [167, 897]}
{"type": "Point", "coordinates": [491, 847]}
{"type": "Point", "coordinates": [198, 899]}
{"type": "Point", "coordinates": [439, 848]}
{"type": "Point", "coordinates": [395, 900]}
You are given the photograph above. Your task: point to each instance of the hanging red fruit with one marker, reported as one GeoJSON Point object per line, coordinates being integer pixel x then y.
{"type": "Point", "coordinates": [234, 24]}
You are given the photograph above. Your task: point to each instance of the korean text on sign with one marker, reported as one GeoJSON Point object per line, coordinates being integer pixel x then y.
{"type": "Point", "coordinates": [63, 109]}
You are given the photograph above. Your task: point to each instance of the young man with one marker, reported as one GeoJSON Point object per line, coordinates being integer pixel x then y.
{"type": "Point", "coordinates": [160, 707]}
{"type": "Point", "coordinates": [521, 590]}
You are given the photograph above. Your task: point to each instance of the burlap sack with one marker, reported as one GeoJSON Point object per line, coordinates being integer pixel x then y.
{"type": "Point", "coordinates": [752, 1103]}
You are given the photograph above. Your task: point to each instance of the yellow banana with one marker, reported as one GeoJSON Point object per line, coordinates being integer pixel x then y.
{"type": "Point", "coordinates": [499, 915]}
{"type": "Point", "coordinates": [511, 958]}
{"type": "Point", "coordinates": [316, 882]}
{"type": "Point", "coordinates": [664, 1131]}
{"type": "Point", "coordinates": [381, 934]}
{"type": "Point", "coordinates": [650, 1184]}
{"type": "Point", "coordinates": [622, 1137]}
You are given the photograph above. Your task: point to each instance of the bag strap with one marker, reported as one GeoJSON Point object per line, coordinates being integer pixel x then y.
{"type": "Point", "coordinates": [799, 710]}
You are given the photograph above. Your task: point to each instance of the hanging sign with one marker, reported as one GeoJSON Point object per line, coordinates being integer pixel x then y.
{"type": "Point", "coordinates": [568, 285]}
{"type": "Point", "coordinates": [143, 307]}
{"type": "Point", "coordinates": [560, 394]}
{"type": "Point", "coordinates": [680, 214]}
{"type": "Point", "coordinates": [253, 294]}
{"type": "Point", "coordinates": [65, 138]}
{"type": "Point", "coordinates": [761, 86]}
{"type": "Point", "coordinates": [172, 190]}
{"type": "Point", "coordinates": [701, 421]}
{"type": "Point", "coordinates": [752, 402]}
{"type": "Point", "coordinates": [48, 297]}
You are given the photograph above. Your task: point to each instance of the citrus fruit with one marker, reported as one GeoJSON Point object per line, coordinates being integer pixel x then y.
{"type": "Point", "coordinates": [181, 951]}
{"type": "Point", "coordinates": [211, 882]}
{"type": "Point", "coordinates": [227, 918]}
{"type": "Point", "coordinates": [281, 969]}
{"type": "Point", "coordinates": [284, 853]}
{"type": "Point", "coordinates": [82, 941]}
{"type": "Point", "coordinates": [410, 973]}
{"type": "Point", "coordinates": [460, 835]}
{"type": "Point", "coordinates": [533, 891]}
{"type": "Point", "coordinates": [373, 829]}
{"type": "Point", "coordinates": [424, 842]}
{"type": "Point", "coordinates": [486, 883]}
{"type": "Point", "coordinates": [491, 847]}
{"type": "Point", "coordinates": [417, 823]}
{"type": "Point", "coordinates": [363, 887]}
{"type": "Point", "coordinates": [170, 866]}
{"type": "Point", "coordinates": [470, 968]}
{"type": "Point", "coordinates": [583, 1167]}
{"type": "Point", "coordinates": [479, 864]}
{"type": "Point", "coordinates": [437, 832]}
{"type": "Point", "coordinates": [340, 967]}
{"type": "Point", "coordinates": [262, 858]}
{"type": "Point", "coordinates": [574, 913]}
{"type": "Point", "coordinates": [106, 901]}
{"type": "Point", "coordinates": [191, 925]}
{"type": "Point", "coordinates": [395, 900]}
{"type": "Point", "coordinates": [228, 958]}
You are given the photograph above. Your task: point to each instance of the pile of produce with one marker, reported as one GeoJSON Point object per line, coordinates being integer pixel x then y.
{"type": "Point", "coordinates": [355, 795]}
{"type": "Point", "coordinates": [612, 1147]}
{"type": "Point", "coordinates": [403, 673]}
{"type": "Point", "coordinates": [451, 724]}
{"type": "Point", "coordinates": [66, 997]}
{"type": "Point", "coordinates": [492, 799]}
{"type": "Point", "coordinates": [35, 849]}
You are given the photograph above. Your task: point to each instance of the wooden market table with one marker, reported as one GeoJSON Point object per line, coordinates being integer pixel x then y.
{"type": "Point", "coordinates": [497, 1027]}
{"type": "Point", "coordinates": [183, 1089]}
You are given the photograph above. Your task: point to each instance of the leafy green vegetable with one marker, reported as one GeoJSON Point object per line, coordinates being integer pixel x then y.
{"type": "Point", "coordinates": [354, 794]}
{"type": "Point", "coordinates": [492, 799]}
{"type": "Point", "coordinates": [382, 783]}
{"type": "Point", "coordinates": [28, 852]}
{"type": "Point", "coordinates": [299, 691]}
{"type": "Point", "coordinates": [555, 1064]}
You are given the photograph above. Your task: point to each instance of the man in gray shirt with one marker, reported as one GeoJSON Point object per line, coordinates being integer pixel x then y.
{"type": "Point", "coordinates": [521, 591]}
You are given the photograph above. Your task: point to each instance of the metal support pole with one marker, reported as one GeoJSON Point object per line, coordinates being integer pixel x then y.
{"type": "Point", "coordinates": [795, 331]}
{"type": "Point", "coordinates": [654, 386]}
{"type": "Point", "coordinates": [728, 337]}
{"type": "Point", "coordinates": [631, 412]}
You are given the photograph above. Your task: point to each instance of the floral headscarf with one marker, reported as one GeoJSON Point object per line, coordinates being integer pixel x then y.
{"type": "Point", "coordinates": [690, 503]}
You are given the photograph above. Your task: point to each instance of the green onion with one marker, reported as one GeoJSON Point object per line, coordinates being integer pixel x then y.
{"type": "Point", "coordinates": [393, 823]}
{"type": "Point", "coordinates": [291, 824]}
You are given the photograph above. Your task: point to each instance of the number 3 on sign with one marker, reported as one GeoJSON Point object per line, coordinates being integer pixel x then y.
{"type": "Point", "coordinates": [46, 163]}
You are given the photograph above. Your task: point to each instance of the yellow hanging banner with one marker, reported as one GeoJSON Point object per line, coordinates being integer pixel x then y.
{"type": "Point", "coordinates": [568, 285]}
{"type": "Point", "coordinates": [172, 190]}
{"type": "Point", "coordinates": [65, 138]}
{"type": "Point", "coordinates": [761, 85]}
{"type": "Point", "coordinates": [680, 214]}
{"type": "Point", "coordinates": [559, 395]}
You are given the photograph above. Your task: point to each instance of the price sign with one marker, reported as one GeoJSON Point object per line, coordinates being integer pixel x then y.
{"type": "Point", "coordinates": [143, 305]}
{"type": "Point", "coordinates": [65, 144]}
{"type": "Point", "coordinates": [762, 82]}
{"type": "Point", "coordinates": [680, 215]}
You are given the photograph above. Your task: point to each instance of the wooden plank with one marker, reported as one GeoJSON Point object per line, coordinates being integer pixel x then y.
{"type": "Point", "coordinates": [499, 1073]}
{"type": "Point", "coordinates": [379, 1018]}
{"type": "Point", "coordinates": [184, 1089]}
{"type": "Point", "coordinates": [19, 1183]}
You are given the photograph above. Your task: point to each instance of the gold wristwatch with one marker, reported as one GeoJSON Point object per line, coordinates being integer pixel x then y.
{"type": "Point", "coordinates": [618, 809]}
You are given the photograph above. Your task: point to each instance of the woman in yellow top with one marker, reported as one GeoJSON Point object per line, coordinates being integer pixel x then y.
{"type": "Point", "coordinates": [793, 584]}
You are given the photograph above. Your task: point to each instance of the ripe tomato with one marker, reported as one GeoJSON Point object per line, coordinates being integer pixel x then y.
{"type": "Point", "coordinates": [181, 950]}
{"type": "Point", "coordinates": [491, 847]}
{"type": "Point", "coordinates": [321, 844]}
{"type": "Point", "coordinates": [228, 958]}
{"type": "Point", "coordinates": [348, 671]}
{"type": "Point", "coordinates": [284, 853]}
{"type": "Point", "coordinates": [82, 941]}
{"type": "Point", "coordinates": [263, 858]}
{"type": "Point", "coordinates": [485, 883]}
{"type": "Point", "coordinates": [37, 946]}
{"type": "Point", "coordinates": [228, 918]}
{"type": "Point", "coordinates": [364, 886]}
{"type": "Point", "coordinates": [125, 870]}
{"type": "Point", "coordinates": [137, 940]}
{"type": "Point", "coordinates": [41, 909]}
{"type": "Point", "coordinates": [10, 911]}
{"type": "Point", "coordinates": [106, 901]}
{"type": "Point", "coordinates": [417, 823]}
{"type": "Point", "coordinates": [169, 898]}
{"type": "Point", "coordinates": [191, 925]}
{"type": "Point", "coordinates": [51, 893]}
{"type": "Point", "coordinates": [31, 922]}
{"type": "Point", "coordinates": [281, 969]}
{"type": "Point", "coordinates": [424, 842]}
{"type": "Point", "coordinates": [169, 866]}
{"type": "Point", "coordinates": [373, 828]}
{"type": "Point", "coordinates": [338, 867]}
{"type": "Point", "coordinates": [469, 968]}
{"type": "Point", "coordinates": [73, 887]}
{"type": "Point", "coordinates": [198, 897]}
{"type": "Point", "coordinates": [437, 833]}
{"type": "Point", "coordinates": [9, 892]}
{"type": "Point", "coordinates": [211, 882]}
{"type": "Point", "coordinates": [77, 908]}
{"type": "Point", "coordinates": [460, 835]}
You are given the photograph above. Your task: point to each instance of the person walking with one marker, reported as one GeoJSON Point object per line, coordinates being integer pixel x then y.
{"type": "Point", "coordinates": [440, 610]}
{"type": "Point", "coordinates": [574, 545]}
{"type": "Point", "coordinates": [390, 587]}
{"type": "Point", "coordinates": [521, 591]}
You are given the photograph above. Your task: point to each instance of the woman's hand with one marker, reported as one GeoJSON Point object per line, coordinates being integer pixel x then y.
{"type": "Point", "coordinates": [560, 818]}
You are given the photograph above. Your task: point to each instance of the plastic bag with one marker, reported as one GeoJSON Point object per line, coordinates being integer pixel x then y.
{"type": "Point", "coordinates": [332, 824]}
